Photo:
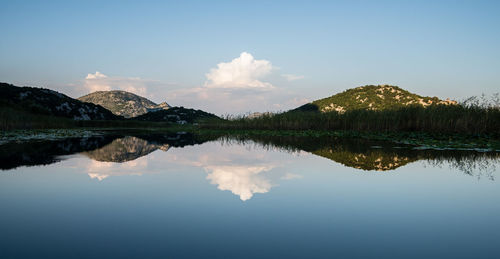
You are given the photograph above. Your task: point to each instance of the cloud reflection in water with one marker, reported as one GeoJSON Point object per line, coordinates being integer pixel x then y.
{"type": "Point", "coordinates": [243, 181]}
{"type": "Point", "coordinates": [235, 168]}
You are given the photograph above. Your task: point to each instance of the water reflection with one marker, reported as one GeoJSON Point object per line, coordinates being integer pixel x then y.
{"type": "Point", "coordinates": [125, 149]}
{"type": "Point", "coordinates": [239, 169]}
{"type": "Point", "coordinates": [310, 194]}
{"type": "Point", "coordinates": [120, 157]}
{"type": "Point", "coordinates": [111, 147]}
{"type": "Point", "coordinates": [379, 156]}
{"type": "Point", "coordinates": [35, 153]}
{"type": "Point", "coordinates": [242, 173]}
{"type": "Point", "coordinates": [245, 181]}
{"type": "Point", "coordinates": [102, 170]}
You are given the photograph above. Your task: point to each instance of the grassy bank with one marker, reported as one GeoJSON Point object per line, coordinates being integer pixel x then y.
{"type": "Point", "coordinates": [449, 119]}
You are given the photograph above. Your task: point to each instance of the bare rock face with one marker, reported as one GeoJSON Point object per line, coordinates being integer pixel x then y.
{"type": "Point", "coordinates": [123, 103]}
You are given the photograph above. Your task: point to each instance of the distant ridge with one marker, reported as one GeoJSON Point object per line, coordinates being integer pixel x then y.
{"type": "Point", "coordinates": [179, 115]}
{"type": "Point", "coordinates": [123, 103]}
{"type": "Point", "coordinates": [372, 97]}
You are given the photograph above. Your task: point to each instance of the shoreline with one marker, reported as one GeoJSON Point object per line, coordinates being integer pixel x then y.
{"type": "Point", "coordinates": [417, 140]}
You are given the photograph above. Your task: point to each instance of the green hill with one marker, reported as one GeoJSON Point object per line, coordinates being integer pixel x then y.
{"type": "Point", "coordinates": [372, 97]}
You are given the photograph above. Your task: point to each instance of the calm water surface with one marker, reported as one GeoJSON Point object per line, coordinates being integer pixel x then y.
{"type": "Point", "coordinates": [172, 197]}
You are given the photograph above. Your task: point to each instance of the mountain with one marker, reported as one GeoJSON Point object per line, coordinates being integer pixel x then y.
{"type": "Point", "coordinates": [32, 100]}
{"type": "Point", "coordinates": [372, 97]}
{"type": "Point", "coordinates": [123, 103]}
{"type": "Point", "coordinates": [179, 115]}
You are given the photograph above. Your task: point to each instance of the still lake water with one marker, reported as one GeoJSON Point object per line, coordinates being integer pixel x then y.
{"type": "Point", "coordinates": [181, 197]}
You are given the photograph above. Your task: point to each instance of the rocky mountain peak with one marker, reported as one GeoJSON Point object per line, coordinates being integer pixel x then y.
{"type": "Point", "coordinates": [123, 103]}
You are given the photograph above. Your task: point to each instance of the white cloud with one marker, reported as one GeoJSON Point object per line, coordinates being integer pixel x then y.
{"type": "Point", "coordinates": [238, 86]}
{"type": "Point", "coordinates": [96, 75]}
{"type": "Point", "coordinates": [242, 72]}
{"type": "Point", "coordinates": [101, 82]}
{"type": "Point", "coordinates": [291, 77]}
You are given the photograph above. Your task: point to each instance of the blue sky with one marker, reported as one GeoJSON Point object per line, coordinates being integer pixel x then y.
{"type": "Point", "coordinates": [298, 50]}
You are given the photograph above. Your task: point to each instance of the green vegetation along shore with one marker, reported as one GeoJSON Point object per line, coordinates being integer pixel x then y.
{"type": "Point", "coordinates": [432, 119]}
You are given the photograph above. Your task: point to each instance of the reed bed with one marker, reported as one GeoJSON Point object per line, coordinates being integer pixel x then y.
{"type": "Point", "coordinates": [471, 119]}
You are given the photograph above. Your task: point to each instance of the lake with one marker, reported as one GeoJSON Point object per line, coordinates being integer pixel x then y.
{"type": "Point", "coordinates": [185, 196]}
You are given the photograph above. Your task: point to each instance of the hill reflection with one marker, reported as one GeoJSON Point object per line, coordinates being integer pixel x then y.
{"type": "Point", "coordinates": [125, 149]}
{"type": "Point", "coordinates": [354, 153]}
{"type": "Point", "coordinates": [113, 147]}
{"type": "Point", "coordinates": [376, 155]}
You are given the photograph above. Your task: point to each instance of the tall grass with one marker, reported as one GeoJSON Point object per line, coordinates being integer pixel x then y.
{"type": "Point", "coordinates": [11, 119]}
{"type": "Point", "coordinates": [18, 119]}
{"type": "Point", "coordinates": [468, 119]}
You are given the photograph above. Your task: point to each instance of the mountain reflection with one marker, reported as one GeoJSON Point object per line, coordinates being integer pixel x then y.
{"type": "Point", "coordinates": [125, 149]}
{"type": "Point", "coordinates": [242, 173]}
{"type": "Point", "coordinates": [36, 153]}
{"type": "Point", "coordinates": [111, 147]}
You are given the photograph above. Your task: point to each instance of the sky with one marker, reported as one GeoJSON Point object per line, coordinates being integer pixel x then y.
{"type": "Point", "coordinates": [235, 57]}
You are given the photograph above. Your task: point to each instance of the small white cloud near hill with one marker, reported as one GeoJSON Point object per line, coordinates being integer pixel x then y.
{"type": "Point", "coordinates": [291, 77]}
{"type": "Point", "coordinates": [101, 82]}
